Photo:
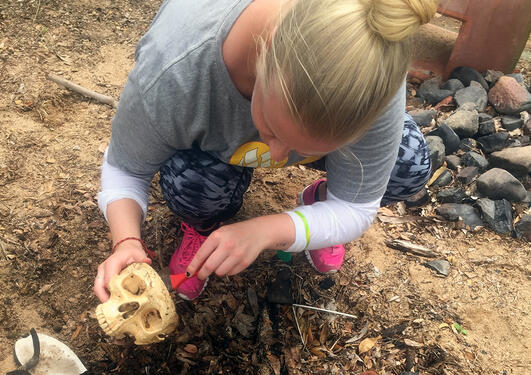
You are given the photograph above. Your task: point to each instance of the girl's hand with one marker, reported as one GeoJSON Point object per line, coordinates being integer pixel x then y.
{"type": "Point", "coordinates": [232, 248]}
{"type": "Point", "coordinates": [127, 253]}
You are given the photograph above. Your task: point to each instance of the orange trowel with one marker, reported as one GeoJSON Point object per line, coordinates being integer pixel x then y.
{"type": "Point", "coordinates": [172, 282]}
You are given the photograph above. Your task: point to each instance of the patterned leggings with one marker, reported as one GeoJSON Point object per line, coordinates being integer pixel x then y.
{"type": "Point", "coordinates": [204, 191]}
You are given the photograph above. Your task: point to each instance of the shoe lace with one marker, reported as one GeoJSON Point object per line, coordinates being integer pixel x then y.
{"type": "Point", "coordinates": [191, 242]}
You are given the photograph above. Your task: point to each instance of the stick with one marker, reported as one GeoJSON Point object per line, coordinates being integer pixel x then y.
{"type": "Point", "coordinates": [83, 91]}
{"type": "Point", "coordinates": [3, 250]}
{"type": "Point", "coordinates": [298, 327]}
{"type": "Point", "coordinates": [409, 247]}
{"type": "Point", "coordinates": [38, 10]}
{"type": "Point", "coordinates": [325, 310]}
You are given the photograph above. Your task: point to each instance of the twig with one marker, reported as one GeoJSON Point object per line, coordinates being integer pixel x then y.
{"type": "Point", "coordinates": [38, 10]}
{"type": "Point", "coordinates": [298, 327]}
{"type": "Point", "coordinates": [83, 91]}
{"type": "Point", "coordinates": [325, 310]}
{"type": "Point", "coordinates": [409, 247]}
{"type": "Point", "coordinates": [3, 250]}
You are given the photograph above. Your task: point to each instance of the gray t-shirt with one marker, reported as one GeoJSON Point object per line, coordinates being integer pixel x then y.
{"type": "Point", "coordinates": [180, 95]}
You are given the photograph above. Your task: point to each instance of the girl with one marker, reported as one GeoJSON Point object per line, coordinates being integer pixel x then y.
{"type": "Point", "coordinates": [224, 86]}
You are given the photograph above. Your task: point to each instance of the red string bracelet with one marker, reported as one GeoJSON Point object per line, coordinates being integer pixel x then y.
{"type": "Point", "coordinates": [151, 254]}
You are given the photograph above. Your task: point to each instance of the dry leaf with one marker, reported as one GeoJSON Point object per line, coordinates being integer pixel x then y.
{"type": "Point", "coordinates": [310, 334]}
{"type": "Point", "coordinates": [367, 344]}
{"type": "Point", "coordinates": [318, 351]}
{"type": "Point", "coordinates": [323, 335]}
{"type": "Point", "coordinates": [77, 331]}
{"type": "Point", "coordinates": [190, 348]}
{"type": "Point", "coordinates": [274, 362]}
{"type": "Point", "coordinates": [412, 343]}
{"type": "Point", "coordinates": [385, 211]}
{"type": "Point", "coordinates": [436, 175]}
{"type": "Point", "coordinates": [360, 335]}
{"type": "Point", "coordinates": [102, 147]}
{"type": "Point", "coordinates": [469, 356]}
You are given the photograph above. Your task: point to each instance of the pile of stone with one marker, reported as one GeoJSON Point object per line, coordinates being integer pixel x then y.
{"type": "Point", "coordinates": [480, 149]}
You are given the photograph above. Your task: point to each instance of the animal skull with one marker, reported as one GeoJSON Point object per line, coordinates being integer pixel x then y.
{"type": "Point", "coordinates": [139, 306]}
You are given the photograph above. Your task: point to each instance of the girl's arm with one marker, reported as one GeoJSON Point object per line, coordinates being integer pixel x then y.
{"type": "Point", "coordinates": [232, 248]}
{"type": "Point", "coordinates": [123, 200]}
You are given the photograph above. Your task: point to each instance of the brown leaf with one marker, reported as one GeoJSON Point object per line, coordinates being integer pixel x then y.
{"type": "Point", "coordinates": [323, 335]}
{"type": "Point", "coordinates": [190, 348]}
{"type": "Point", "coordinates": [318, 351]}
{"type": "Point", "coordinates": [367, 344]}
{"type": "Point", "coordinates": [412, 343]}
{"type": "Point", "coordinates": [310, 334]}
{"type": "Point", "coordinates": [77, 331]}
{"type": "Point", "coordinates": [274, 362]}
{"type": "Point", "coordinates": [102, 147]}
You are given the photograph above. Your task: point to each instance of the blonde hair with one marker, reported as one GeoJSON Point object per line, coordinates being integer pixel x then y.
{"type": "Point", "coordinates": [337, 63]}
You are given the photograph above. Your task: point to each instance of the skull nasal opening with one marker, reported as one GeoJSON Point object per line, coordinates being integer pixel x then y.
{"type": "Point", "coordinates": [128, 309]}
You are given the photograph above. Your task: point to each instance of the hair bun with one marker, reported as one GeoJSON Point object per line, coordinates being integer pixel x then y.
{"type": "Point", "coordinates": [396, 20]}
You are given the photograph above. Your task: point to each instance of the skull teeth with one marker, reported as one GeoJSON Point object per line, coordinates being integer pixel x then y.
{"type": "Point", "coordinates": [102, 321]}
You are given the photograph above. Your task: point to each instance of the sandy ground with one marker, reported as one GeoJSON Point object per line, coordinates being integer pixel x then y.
{"type": "Point", "coordinates": [52, 237]}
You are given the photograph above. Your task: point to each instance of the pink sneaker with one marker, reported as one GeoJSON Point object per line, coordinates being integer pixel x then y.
{"type": "Point", "coordinates": [181, 258]}
{"type": "Point", "coordinates": [327, 259]}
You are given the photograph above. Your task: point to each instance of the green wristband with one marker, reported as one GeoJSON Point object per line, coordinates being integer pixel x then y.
{"type": "Point", "coordinates": [306, 228]}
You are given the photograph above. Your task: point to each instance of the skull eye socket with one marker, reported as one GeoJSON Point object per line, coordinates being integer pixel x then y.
{"type": "Point", "coordinates": [152, 320]}
{"type": "Point", "coordinates": [128, 309]}
{"type": "Point", "coordinates": [134, 285]}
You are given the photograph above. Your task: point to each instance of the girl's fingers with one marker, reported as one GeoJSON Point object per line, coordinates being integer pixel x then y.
{"type": "Point", "coordinates": [211, 264]}
{"type": "Point", "coordinates": [227, 266]}
{"type": "Point", "coordinates": [202, 254]}
{"type": "Point", "coordinates": [99, 287]}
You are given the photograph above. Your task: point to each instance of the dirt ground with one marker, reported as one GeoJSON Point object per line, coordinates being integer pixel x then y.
{"type": "Point", "coordinates": [52, 237]}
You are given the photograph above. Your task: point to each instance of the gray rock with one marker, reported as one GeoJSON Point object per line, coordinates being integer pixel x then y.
{"type": "Point", "coordinates": [467, 175]}
{"type": "Point", "coordinates": [522, 229]}
{"type": "Point", "coordinates": [514, 142]}
{"type": "Point", "coordinates": [512, 123]}
{"type": "Point", "coordinates": [499, 184]}
{"type": "Point", "coordinates": [527, 127]}
{"type": "Point", "coordinates": [492, 76]}
{"type": "Point", "coordinates": [493, 142]}
{"type": "Point", "coordinates": [497, 214]}
{"type": "Point", "coordinates": [437, 151]}
{"type": "Point", "coordinates": [466, 75]}
{"type": "Point", "coordinates": [454, 211]}
{"type": "Point", "coordinates": [423, 117]}
{"type": "Point", "coordinates": [468, 106]}
{"type": "Point", "coordinates": [453, 85]}
{"type": "Point", "coordinates": [452, 195]}
{"type": "Point", "coordinates": [517, 161]}
{"type": "Point", "coordinates": [472, 94]}
{"type": "Point", "coordinates": [444, 179]}
{"type": "Point", "coordinates": [440, 265]}
{"type": "Point", "coordinates": [486, 126]}
{"type": "Point", "coordinates": [453, 162]}
{"type": "Point", "coordinates": [429, 90]}
{"type": "Point", "coordinates": [464, 123]}
{"type": "Point", "coordinates": [448, 136]}
{"type": "Point", "coordinates": [468, 144]}
{"type": "Point", "coordinates": [473, 159]}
